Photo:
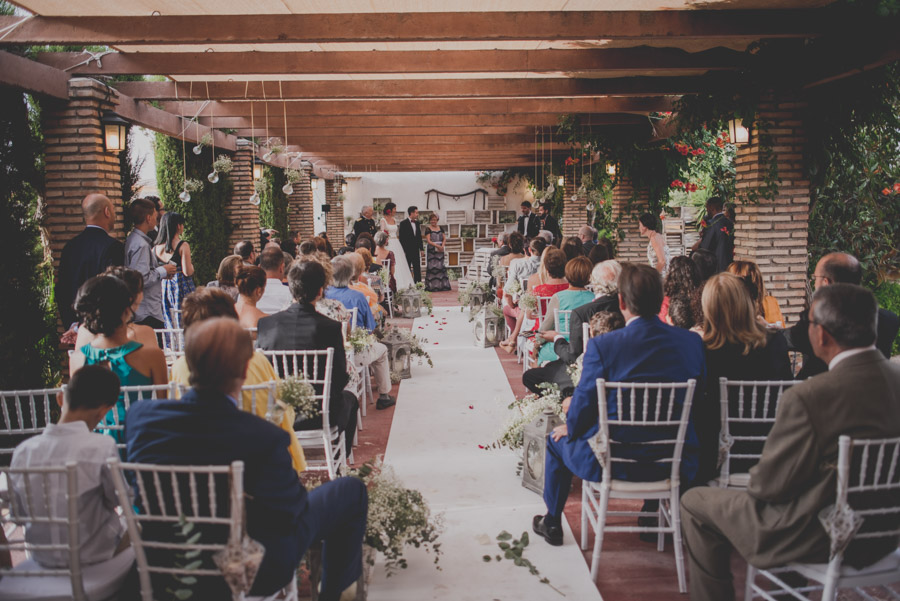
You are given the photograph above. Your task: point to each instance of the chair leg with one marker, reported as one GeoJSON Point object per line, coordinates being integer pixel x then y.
{"type": "Point", "coordinates": [585, 507]}
{"type": "Point", "coordinates": [748, 585]}
{"type": "Point", "coordinates": [598, 533]}
{"type": "Point", "coordinates": [675, 513]}
{"type": "Point", "coordinates": [660, 536]}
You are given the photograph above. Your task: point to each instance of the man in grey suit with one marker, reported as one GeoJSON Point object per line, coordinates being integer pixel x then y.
{"type": "Point", "coordinates": [776, 520]}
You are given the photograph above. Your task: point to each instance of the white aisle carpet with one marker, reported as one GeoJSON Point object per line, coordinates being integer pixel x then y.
{"type": "Point", "coordinates": [442, 415]}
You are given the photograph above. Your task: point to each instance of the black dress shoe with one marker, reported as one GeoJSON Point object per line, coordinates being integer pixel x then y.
{"type": "Point", "coordinates": [385, 401]}
{"type": "Point", "coordinates": [551, 534]}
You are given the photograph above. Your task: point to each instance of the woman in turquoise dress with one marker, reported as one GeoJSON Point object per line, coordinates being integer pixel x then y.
{"type": "Point", "coordinates": [104, 304]}
{"type": "Point", "coordinates": [170, 248]}
{"type": "Point", "coordinates": [578, 274]}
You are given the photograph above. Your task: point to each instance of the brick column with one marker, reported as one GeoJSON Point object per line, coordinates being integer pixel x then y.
{"type": "Point", "coordinates": [334, 221]}
{"type": "Point", "coordinates": [300, 208]}
{"type": "Point", "coordinates": [632, 247]}
{"type": "Point", "coordinates": [244, 217]}
{"type": "Point", "coordinates": [773, 233]}
{"type": "Point", "coordinates": [76, 163]}
{"type": "Point", "coordinates": [574, 213]}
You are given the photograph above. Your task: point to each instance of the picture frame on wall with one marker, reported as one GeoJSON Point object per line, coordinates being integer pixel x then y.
{"type": "Point", "coordinates": [425, 216]}
{"type": "Point", "coordinates": [468, 231]}
{"type": "Point", "coordinates": [506, 217]}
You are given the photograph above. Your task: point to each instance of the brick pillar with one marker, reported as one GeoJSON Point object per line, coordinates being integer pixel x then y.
{"type": "Point", "coordinates": [334, 221]}
{"type": "Point", "coordinates": [76, 163]}
{"type": "Point", "coordinates": [244, 217]}
{"type": "Point", "coordinates": [300, 208]}
{"type": "Point", "coordinates": [574, 213]}
{"type": "Point", "coordinates": [632, 247]}
{"type": "Point", "coordinates": [773, 233]}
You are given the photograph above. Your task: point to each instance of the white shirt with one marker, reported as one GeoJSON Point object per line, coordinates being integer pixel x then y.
{"type": "Point", "coordinates": [845, 354]}
{"type": "Point", "coordinates": [277, 297]}
{"type": "Point", "coordinates": [99, 528]}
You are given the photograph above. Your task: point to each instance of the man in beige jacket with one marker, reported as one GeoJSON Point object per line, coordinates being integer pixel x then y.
{"type": "Point", "coordinates": [775, 521]}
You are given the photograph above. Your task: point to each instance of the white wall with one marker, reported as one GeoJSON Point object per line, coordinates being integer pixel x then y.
{"type": "Point", "coordinates": [405, 189]}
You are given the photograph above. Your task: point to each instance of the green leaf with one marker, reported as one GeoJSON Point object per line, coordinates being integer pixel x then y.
{"type": "Point", "coordinates": [503, 546]}
{"type": "Point", "coordinates": [194, 538]}
{"type": "Point", "coordinates": [504, 536]}
{"type": "Point", "coordinates": [183, 594]}
{"type": "Point", "coordinates": [193, 565]}
{"type": "Point", "coordinates": [524, 539]}
{"type": "Point", "coordinates": [192, 554]}
{"type": "Point", "coordinates": [189, 580]}
{"type": "Point", "coordinates": [486, 558]}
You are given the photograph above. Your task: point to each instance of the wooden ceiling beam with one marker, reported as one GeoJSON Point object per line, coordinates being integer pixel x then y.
{"type": "Point", "coordinates": [657, 60]}
{"type": "Point", "coordinates": [419, 27]}
{"type": "Point", "coordinates": [445, 106]}
{"type": "Point", "coordinates": [422, 88]}
{"type": "Point", "coordinates": [298, 133]}
{"type": "Point", "coordinates": [547, 119]}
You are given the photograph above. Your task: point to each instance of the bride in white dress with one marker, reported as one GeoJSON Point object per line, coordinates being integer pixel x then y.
{"type": "Point", "coordinates": [401, 269]}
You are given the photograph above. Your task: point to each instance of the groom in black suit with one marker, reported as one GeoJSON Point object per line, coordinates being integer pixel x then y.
{"type": "Point", "coordinates": [529, 224]}
{"type": "Point", "coordinates": [411, 241]}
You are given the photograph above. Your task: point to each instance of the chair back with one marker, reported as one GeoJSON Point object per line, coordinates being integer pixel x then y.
{"type": "Point", "coordinates": [115, 426]}
{"type": "Point", "coordinates": [748, 409]}
{"type": "Point", "coordinates": [51, 522]}
{"type": "Point", "coordinates": [172, 340]}
{"type": "Point", "coordinates": [585, 336]}
{"type": "Point", "coordinates": [642, 423]}
{"type": "Point", "coordinates": [349, 322]}
{"type": "Point", "coordinates": [541, 308]}
{"type": "Point", "coordinates": [561, 321]}
{"type": "Point", "coordinates": [24, 414]}
{"type": "Point", "coordinates": [185, 514]}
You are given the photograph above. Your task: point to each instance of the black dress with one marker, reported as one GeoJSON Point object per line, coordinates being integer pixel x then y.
{"type": "Point", "coordinates": [770, 362]}
{"type": "Point", "coordinates": [436, 279]}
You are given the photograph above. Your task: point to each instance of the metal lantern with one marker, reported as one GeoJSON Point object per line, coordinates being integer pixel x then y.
{"type": "Point", "coordinates": [740, 135]}
{"type": "Point", "coordinates": [399, 352]}
{"type": "Point", "coordinates": [257, 168]}
{"type": "Point", "coordinates": [115, 131]}
{"type": "Point", "coordinates": [534, 448]}
{"type": "Point", "coordinates": [313, 182]}
{"type": "Point", "coordinates": [410, 303]}
{"type": "Point", "coordinates": [488, 328]}
{"type": "Point", "coordinates": [476, 298]}
{"type": "Point", "coordinates": [611, 169]}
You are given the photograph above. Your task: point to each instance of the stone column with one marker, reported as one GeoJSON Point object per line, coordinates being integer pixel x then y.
{"type": "Point", "coordinates": [300, 208]}
{"type": "Point", "coordinates": [334, 221]}
{"type": "Point", "coordinates": [632, 247]}
{"type": "Point", "coordinates": [76, 163]}
{"type": "Point", "coordinates": [773, 233]}
{"type": "Point", "coordinates": [243, 216]}
{"type": "Point", "coordinates": [574, 213]}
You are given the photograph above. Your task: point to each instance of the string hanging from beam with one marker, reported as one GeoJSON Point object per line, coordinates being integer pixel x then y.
{"type": "Point", "coordinates": [474, 194]}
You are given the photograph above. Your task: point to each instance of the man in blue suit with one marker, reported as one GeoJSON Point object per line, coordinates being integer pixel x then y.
{"type": "Point", "coordinates": [206, 428]}
{"type": "Point", "coordinates": [646, 350]}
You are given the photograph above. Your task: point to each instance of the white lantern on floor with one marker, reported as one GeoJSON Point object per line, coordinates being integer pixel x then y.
{"type": "Point", "coordinates": [488, 327]}
{"type": "Point", "coordinates": [534, 448]}
{"type": "Point", "coordinates": [410, 303]}
{"type": "Point", "coordinates": [399, 353]}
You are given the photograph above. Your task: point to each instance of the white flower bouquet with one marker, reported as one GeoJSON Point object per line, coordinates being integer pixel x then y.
{"type": "Point", "coordinates": [297, 392]}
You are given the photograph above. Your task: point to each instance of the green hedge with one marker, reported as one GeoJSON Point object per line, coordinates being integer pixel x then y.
{"type": "Point", "coordinates": [273, 206]}
{"type": "Point", "coordinates": [206, 228]}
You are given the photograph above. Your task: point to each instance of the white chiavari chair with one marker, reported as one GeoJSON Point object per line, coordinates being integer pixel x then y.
{"type": "Point", "coordinates": [388, 293]}
{"type": "Point", "coordinates": [25, 413]}
{"type": "Point", "coordinates": [114, 422]}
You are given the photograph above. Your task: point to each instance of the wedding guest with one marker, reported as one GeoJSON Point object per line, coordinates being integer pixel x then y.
{"type": "Point", "coordinates": [706, 263]}
{"type": "Point", "coordinates": [838, 268]}
{"type": "Point", "coordinates": [228, 269]}
{"type": "Point", "coordinates": [610, 248]}
{"type": "Point", "coordinates": [136, 332]}
{"type": "Point", "coordinates": [365, 223]}
{"type": "Point", "coordinates": [598, 254]}
{"type": "Point", "coordinates": [516, 244]}
{"type": "Point", "coordinates": [307, 247]}
{"type": "Point", "coordinates": [519, 270]}
{"type": "Point", "coordinates": [738, 347]}
{"type": "Point", "coordinates": [104, 304]}
{"type": "Point", "coordinates": [529, 224]}
{"type": "Point", "coordinates": [329, 250]}
{"type": "Point", "coordinates": [244, 249]}
{"type": "Point", "coordinates": [548, 221]}
{"type": "Point", "coordinates": [280, 514]}
{"type": "Point", "coordinates": [682, 279]}
{"type": "Point", "coordinates": [139, 256]}
{"type": "Point", "coordinates": [365, 240]}
{"type": "Point", "coordinates": [321, 245]}
{"type": "Point", "coordinates": [767, 307]}
{"type": "Point", "coordinates": [775, 520]}
{"type": "Point", "coordinates": [359, 283]}
{"type": "Point", "coordinates": [170, 248]}
{"type": "Point", "coordinates": [87, 254]}
{"type": "Point", "coordinates": [91, 393]}
{"type": "Point", "coordinates": [658, 253]}
{"type": "Point", "coordinates": [343, 270]}
{"type": "Point", "coordinates": [578, 274]}
{"type": "Point", "coordinates": [276, 296]}
{"type": "Point", "coordinates": [251, 284]}
{"type": "Point", "coordinates": [382, 254]}
{"type": "Point", "coordinates": [645, 350]}
{"type": "Point", "coordinates": [436, 279]}
{"type": "Point", "coordinates": [410, 236]}
{"type": "Point", "coordinates": [718, 235]}
{"type": "Point", "coordinates": [605, 321]}
{"type": "Point", "coordinates": [586, 235]}
{"type": "Point", "coordinates": [572, 247]}
{"type": "Point", "coordinates": [549, 279]}
{"type": "Point", "coordinates": [681, 314]}
{"type": "Point", "coordinates": [503, 249]}
{"type": "Point", "coordinates": [208, 303]}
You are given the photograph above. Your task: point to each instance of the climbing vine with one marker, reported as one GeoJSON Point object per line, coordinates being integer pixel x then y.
{"type": "Point", "coordinates": [273, 208]}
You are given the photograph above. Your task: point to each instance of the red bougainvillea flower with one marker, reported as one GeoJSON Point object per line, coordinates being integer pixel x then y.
{"type": "Point", "coordinates": [886, 191]}
{"type": "Point", "coordinates": [571, 161]}
{"type": "Point", "coordinates": [897, 187]}
{"type": "Point", "coordinates": [698, 151]}
{"type": "Point", "coordinates": [676, 183]}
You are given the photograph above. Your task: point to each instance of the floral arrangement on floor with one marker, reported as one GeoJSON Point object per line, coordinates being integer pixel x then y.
{"type": "Point", "coordinates": [415, 344]}
{"type": "Point", "coordinates": [359, 340]}
{"type": "Point", "coordinates": [297, 392]}
{"type": "Point", "coordinates": [528, 408]}
{"type": "Point", "coordinates": [425, 297]}
{"type": "Point", "coordinates": [398, 517]}
{"type": "Point", "coordinates": [223, 164]}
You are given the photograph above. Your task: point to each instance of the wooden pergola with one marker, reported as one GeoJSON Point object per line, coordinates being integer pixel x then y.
{"type": "Point", "coordinates": [354, 87]}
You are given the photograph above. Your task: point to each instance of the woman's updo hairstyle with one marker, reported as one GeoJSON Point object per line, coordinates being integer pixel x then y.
{"type": "Point", "coordinates": [100, 303]}
{"type": "Point", "coordinates": [389, 208]}
{"type": "Point", "coordinates": [650, 222]}
{"type": "Point", "coordinates": [305, 280]}
{"type": "Point", "coordinates": [249, 280]}
{"type": "Point", "coordinates": [132, 278]}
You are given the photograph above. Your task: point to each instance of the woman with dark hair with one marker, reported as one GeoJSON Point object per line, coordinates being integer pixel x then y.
{"type": "Point", "coordinates": [228, 269]}
{"type": "Point", "coordinates": [170, 248]}
{"type": "Point", "coordinates": [658, 254]}
{"type": "Point", "coordinates": [682, 279]}
{"type": "Point", "coordinates": [389, 225]}
{"type": "Point", "coordinates": [382, 254]}
{"type": "Point", "coordinates": [329, 250]}
{"type": "Point", "coordinates": [251, 284]}
{"type": "Point", "coordinates": [573, 247]}
{"type": "Point", "coordinates": [516, 243]}
{"type": "Point", "coordinates": [137, 332]}
{"type": "Point", "coordinates": [436, 279]}
{"type": "Point", "coordinates": [104, 304]}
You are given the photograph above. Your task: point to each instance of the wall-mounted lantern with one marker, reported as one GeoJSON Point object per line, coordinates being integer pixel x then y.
{"type": "Point", "coordinates": [115, 132]}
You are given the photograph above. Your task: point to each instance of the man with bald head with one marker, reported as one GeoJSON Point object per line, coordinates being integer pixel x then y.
{"type": "Point", "coordinates": [837, 268]}
{"type": "Point", "coordinates": [206, 427]}
{"type": "Point", "coordinates": [87, 254]}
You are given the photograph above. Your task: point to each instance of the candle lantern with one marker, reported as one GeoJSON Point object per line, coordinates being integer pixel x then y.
{"type": "Point", "coordinates": [399, 352]}
{"type": "Point", "coordinates": [534, 447]}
